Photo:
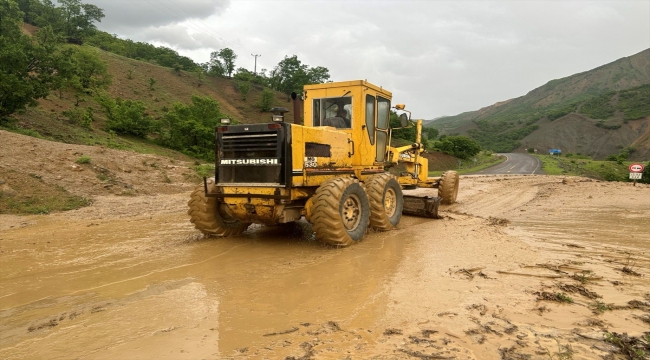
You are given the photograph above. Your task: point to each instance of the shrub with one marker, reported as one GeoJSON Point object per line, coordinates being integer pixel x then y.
{"type": "Point", "coordinates": [243, 87]}
{"type": "Point", "coordinates": [190, 128]}
{"type": "Point", "coordinates": [458, 146]}
{"type": "Point", "coordinates": [83, 159]}
{"type": "Point", "coordinates": [126, 117]}
{"type": "Point", "coordinates": [266, 101]}
{"type": "Point", "coordinates": [81, 117]}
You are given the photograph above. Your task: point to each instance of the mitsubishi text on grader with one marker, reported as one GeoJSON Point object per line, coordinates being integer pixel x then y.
{"type": "Point", "coordinates": [337, 170]}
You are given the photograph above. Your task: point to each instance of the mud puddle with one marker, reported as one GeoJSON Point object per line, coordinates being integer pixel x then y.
{"type": "Point", "coordinates": [130, 278]}
{"type": "Point", "coordinates": [127, 286]}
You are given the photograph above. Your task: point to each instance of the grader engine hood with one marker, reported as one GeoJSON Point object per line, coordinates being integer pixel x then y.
{"type": "Point", "coordinates": [253, 154]}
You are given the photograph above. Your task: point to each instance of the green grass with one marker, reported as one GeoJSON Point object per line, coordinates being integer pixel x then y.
{"type": "Point", "coordinates": [564, 298]}
{"type": "Point", "coordinates": [42, 204]}
{"type": "Point", "coordinates": [600, 307]}
{"type": "Point", "coordinates": [204, 170]}
{"type": "Point", "coordinates": [83, 159]}
{"type": "Point", "coordinates": [584, 166]}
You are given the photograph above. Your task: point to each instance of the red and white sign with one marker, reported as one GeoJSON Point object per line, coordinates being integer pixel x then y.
{"type": "Point", "coordinates": [636, 168]}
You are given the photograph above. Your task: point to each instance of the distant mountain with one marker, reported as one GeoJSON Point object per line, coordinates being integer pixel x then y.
{"type": "Point", "coordinates": [598, 113]}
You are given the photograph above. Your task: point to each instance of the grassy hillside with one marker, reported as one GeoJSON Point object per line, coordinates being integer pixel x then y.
{"type": "Point", "coordinates": [614, 97]}
{"type": "Point", "coordinates": [132, 80]}
{"type": "Point", "coordinates": [577, 165]}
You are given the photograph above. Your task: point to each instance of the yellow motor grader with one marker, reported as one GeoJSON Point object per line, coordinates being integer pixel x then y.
{"type": "Point", "coordinates": [337, 170]}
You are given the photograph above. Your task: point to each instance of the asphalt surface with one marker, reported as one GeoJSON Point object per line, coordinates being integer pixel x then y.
{"type": "Point", "coordinates": [516, 163]}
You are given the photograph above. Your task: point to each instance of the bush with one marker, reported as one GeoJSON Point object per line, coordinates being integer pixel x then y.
{"type": "Point", "coordinates": [126, 117]}
{"type": "Point", "coordinates": [190, 128]}
{"type": "Point", "coordinates": [266, 101]}
{"type": "Point", "coordinates": [243, 87]}
{"type": "Point", "coordinates": [459, 146]}
{"type": "Point", "coordinates": [81, 117]}
{"type": "Point", "coordinates": [83, 159]}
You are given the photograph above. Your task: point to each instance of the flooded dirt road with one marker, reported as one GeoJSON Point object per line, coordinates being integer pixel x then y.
{"type": "Point", "coordinates": [129, 277]}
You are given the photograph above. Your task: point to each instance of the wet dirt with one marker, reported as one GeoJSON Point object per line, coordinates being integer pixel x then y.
{"type": "Point", "coordinates": [128, 277]}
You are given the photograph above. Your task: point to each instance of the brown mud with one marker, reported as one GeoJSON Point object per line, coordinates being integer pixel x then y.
{"type": "Point", "coordinates": [521, 267]}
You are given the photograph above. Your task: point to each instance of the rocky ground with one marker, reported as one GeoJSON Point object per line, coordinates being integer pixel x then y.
{"type": "Point", "coordinates": [522, 267]}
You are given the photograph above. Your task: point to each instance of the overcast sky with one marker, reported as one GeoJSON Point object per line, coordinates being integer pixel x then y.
{"type": "Point", "coordinates": [438, 57]}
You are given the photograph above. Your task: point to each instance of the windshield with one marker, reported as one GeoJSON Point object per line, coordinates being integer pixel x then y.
{"type": "Point", "coordinates": [336, 112]}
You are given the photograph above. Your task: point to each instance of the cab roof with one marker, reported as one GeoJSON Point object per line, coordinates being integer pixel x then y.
{"type": "Point", "coordinates": [349, 83]}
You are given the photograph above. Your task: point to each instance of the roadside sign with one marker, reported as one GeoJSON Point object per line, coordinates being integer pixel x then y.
{"type": "Point", "coordinates": [635, 176]}
{"type": "Point", "coordinates": [636, 168]}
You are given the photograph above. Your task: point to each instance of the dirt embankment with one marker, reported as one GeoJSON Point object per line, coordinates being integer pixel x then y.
{"type": "Point", "coordinates": [37, 176]}
{"type": "Point", "coordinates": [522, 267]}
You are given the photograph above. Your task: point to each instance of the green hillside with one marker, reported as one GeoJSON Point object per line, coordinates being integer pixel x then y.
{"type": "Point", "coordinates": [611, 98]}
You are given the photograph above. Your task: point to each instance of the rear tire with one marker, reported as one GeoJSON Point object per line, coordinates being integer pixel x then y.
{"type": "Point", "coordinates": [341, 212]}
{"type": "Point", "coordinates": [448, 188]}
{"type": "Point", "coordinates": [208, 219]}
{"type": "Point", "coordinates": [386, 201]}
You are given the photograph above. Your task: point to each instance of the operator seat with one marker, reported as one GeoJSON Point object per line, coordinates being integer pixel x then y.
{"type": "Point", "coordinates": [336, 121]}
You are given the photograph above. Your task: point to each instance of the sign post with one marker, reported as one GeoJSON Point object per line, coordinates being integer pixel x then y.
{"type": "Point", "coordinates": [636, 172]}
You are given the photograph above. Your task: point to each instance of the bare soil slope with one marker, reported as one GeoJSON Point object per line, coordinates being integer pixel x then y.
{"type": "Point", "coordinates": [576, 134]}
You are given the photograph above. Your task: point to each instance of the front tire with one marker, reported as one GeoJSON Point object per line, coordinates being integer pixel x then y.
{"type": "Point", "coordinates": [207, 218]}
{"type": "Point", "coordinates": [448, 188]}
{"type": "Point", "coordinates": [341, 212]}
{"type": "Point", "coordinates": [386, 201]}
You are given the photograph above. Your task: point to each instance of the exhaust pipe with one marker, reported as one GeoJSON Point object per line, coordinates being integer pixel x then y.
{"type": "Point", "coordinates": [297, 108]}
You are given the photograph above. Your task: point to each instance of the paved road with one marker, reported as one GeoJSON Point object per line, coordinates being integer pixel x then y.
{"type": "Point", "coordinates": [516, 163]}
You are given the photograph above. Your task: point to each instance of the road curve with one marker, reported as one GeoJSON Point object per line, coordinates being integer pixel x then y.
{"type": "Point", "coordinates": [516, 163]}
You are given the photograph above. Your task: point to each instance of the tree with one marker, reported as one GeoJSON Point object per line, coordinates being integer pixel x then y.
{"type": "Point", "coordinates": [190, 128]}
{"type": "Point", "coordinates": [85, 74]}
{"type": "Point", "coordinates": [78, 19]}
{"type": "Point", "coordinates": [126, 117]}
{"type": "Point", "coordinates": [29, 8]}
{"type": "Point", "coordinates": [214, 66]}
{"type": "Point", "coordinates": [266, 101]}
{"type": "Point", "coordinates": [228, 57]}
{"type": "Point", "coordinates": [290, 75]}
{"type": "Point", "coordinates": [29, 65]}
{"type": "Point", "coordinates": [458, 146]}
{"type": "Point", "coordinates": [222, 62]}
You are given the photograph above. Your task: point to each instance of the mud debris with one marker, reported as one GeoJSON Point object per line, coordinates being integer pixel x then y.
{"type": "Point", "coordinates": [557, 297]}
{"type": "Point", "coordinates": [392, 331]}
{"type": "Point", "coordinates": [629, 271]}
{"type": "Point", "coordinates": [282, 332]}
{"type": "Point", "coordinates": [427, 333]}
{"type": "Point", "coordinates": [420, 355]}
{"type": "Point", "coordinates": [578, 289]}
{"type": "Point", "coordinates": [495, 221]}
{"type": "Point", "coordinates": [635, 348]}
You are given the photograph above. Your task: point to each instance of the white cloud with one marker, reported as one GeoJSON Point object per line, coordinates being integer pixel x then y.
{"type": "Point", "coordinates": [439, 57]}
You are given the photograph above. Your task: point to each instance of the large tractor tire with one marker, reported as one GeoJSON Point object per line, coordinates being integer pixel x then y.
{"type": "Point", "coordinates": [341, 212]}
{"type": "Point", "coordinates": [207, 218]}
{"type": "Point", "coordinates": [448, 188]}
{"type": "Point", "coordinates": [386, 201]}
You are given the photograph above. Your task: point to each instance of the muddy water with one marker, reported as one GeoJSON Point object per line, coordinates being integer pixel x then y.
{"type": "Point", "coordinates": [110, 282]}
{"type": "Point", "coordinates": [135, 283]}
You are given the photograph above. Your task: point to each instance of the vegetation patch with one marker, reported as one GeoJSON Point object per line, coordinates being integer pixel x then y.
{"type": "Point", "coordinates": [29, 194]}
{"type": "Point", "coordinates": [599, 307]}
{"type": "Point", "coordinates": [584, 166]}
{"type": "Point", "coordinates": [635, 348]}
{"type": "Point", "coordinates": [557, 297]}
{"type": "Point", "coordinates": [83, 159]}
{"type": "Point", "coordinates": [578, 289]}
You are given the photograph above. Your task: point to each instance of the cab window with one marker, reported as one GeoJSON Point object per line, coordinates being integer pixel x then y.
{"type": "Point", "coordinates": [370, 118]}
{"type": "Point", "coordinates": [336, 112]}
{"type": "Point", "coordinates": [383, 114]}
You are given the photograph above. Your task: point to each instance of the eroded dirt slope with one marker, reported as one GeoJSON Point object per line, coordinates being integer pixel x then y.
{"type": "Point", "coordinates": [521, 267]}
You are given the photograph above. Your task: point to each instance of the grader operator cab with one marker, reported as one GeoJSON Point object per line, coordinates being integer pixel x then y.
{"type": "Point", "coordinates": [337, 170]}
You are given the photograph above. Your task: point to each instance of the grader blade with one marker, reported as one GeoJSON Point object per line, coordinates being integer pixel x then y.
{"type": "Point", "coordinates": [426, 206]}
